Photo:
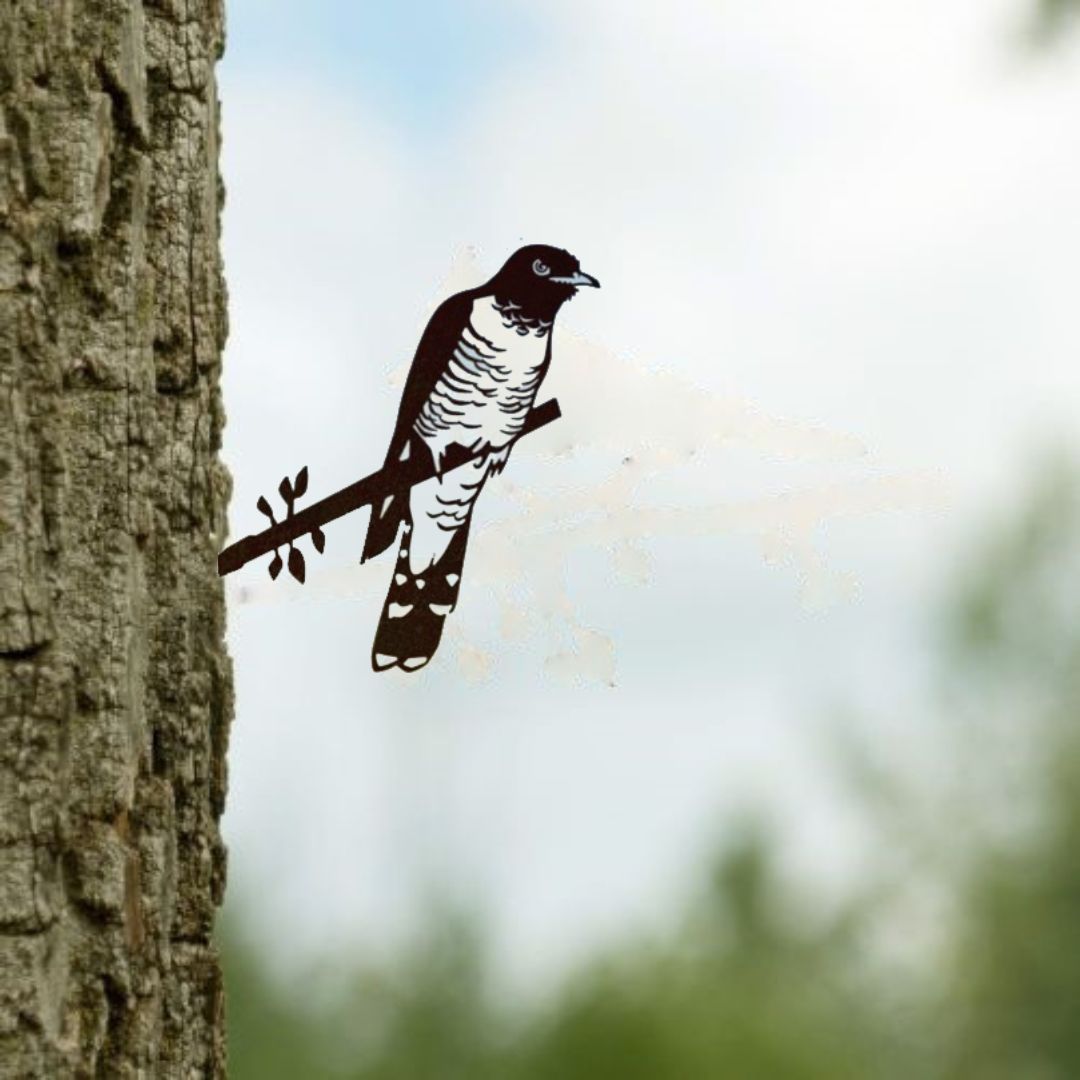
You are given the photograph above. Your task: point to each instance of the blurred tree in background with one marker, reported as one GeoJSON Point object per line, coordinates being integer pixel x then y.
{"type": "Point", "coordinates": [1016, 957]}
{"type": "Point", "coordinates": [746, 988]}
{"type": "Point", "coordinates": [1054, 15]}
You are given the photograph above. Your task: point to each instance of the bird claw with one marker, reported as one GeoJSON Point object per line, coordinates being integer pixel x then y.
{"type": "Point", "coordinates": [497, 460]}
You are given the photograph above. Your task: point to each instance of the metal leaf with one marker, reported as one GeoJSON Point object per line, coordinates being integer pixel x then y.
{"type": "Point", "coordinates": [264, 507]}
{"type": "Point", "coordinates": [296, 564]}
{"type": "Point", "coordinates": [275, 566]}
{"type": "Point", "coordinates": [318, 538]}
{"type": "Point", "coordinates": [300, 486]}
{"type": "Point", "coordinates": [285, 490]}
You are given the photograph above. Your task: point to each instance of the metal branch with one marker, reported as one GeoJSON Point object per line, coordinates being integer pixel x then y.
{"type": "Point", "coordinates": [361, 493]}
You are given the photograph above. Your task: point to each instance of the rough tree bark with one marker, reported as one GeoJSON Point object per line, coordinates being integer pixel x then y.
{"type": "Point", "coordinates": [115, 691]}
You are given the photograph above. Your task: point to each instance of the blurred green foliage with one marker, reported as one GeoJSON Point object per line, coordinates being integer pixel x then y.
{"type": "Point", "coordinates": [1054, 17]}
{"type": "Point", "coordinates": [745, 987]}
{"type": "Point", "coordinates": [1056, 10]}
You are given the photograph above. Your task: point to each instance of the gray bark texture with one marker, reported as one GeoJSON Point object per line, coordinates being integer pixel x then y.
{"type": "Point", "coordinates": [115, 690]}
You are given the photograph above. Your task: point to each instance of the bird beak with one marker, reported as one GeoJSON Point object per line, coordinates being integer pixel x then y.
{"type": "Point", "coordinates": [577, 279]}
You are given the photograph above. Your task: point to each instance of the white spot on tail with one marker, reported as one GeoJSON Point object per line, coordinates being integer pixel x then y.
{"type": "Point", "coordinates": [386, 504]}
{"type": "Point", "coordinates": [452, 579]}
{"type": "Point", "coordinates": [415, 662]}
{"type": "Point", "coordinates": [400, 579]}
{"type": "Point", "coordinates": [404, 453]}
{"type": "Point", "coordinates": [407, 529]}
{"type": "Point", "coordinates": [397, 611]}
{"type": "Point", "coordinates": [420, 582]}
{"type": "Point", "coordinates": [441, 609]}
{"type": "Point", "coordinates": [384, 661]}
{"type": "Point", "coordinates": [403, 553]}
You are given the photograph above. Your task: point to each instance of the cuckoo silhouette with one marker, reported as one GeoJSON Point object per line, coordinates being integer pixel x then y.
{"type": "Point", "coordinates": [473, 381]}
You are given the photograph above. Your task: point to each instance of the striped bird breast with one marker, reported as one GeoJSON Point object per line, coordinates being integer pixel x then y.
{"type": "Point", "coordinates": [489, 385]}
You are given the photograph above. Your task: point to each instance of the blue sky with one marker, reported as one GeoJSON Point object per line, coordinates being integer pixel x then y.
{"type": "Point", "coordinates": [421, 63]}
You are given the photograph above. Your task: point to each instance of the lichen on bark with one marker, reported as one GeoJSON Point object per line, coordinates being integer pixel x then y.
{"type": "Point", "coordinates": [115, 690]}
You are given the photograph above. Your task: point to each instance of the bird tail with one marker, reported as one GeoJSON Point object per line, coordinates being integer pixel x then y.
{"type": "Point", "coordinates": [416, 606]}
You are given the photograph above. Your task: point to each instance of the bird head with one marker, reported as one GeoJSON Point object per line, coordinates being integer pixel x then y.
{"type": "Point", "coordinates": [540, 278]}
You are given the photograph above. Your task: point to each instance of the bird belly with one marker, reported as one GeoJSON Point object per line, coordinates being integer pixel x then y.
{"type": "Point", "coordinates": [488, 387]}
{"type": "Point", "coordinates": [438, 508]}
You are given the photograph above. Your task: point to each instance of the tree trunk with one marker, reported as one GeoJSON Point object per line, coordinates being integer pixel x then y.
{"type": "Point", "coordinates": [115, 691]}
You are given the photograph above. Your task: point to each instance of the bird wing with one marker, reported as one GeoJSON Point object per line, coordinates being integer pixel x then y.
{"type": "Point", "coordinates": [433, 355]}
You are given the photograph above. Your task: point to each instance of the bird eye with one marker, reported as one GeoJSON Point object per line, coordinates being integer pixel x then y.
{"type": "Point", "coordinates": [541, 269]}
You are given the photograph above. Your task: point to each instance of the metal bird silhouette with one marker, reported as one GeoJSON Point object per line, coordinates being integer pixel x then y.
{"type": "Point", "coordinates": [470, 390]}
